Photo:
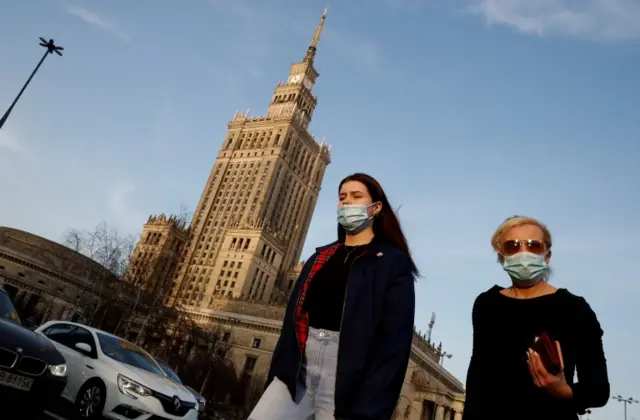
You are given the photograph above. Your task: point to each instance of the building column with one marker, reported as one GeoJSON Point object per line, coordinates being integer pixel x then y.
{"type": "Point", "coordinates": [19, 296]}
{"type": "Point", "coordinates": [457, 415]}
{"type": "Point", "coordinates": [416, 410]}
{"type": "Point", "coordinates": [440, 412]}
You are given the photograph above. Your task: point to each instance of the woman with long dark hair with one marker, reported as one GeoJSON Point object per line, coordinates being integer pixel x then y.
{"type": "Point", "coordinates": [347, 332]}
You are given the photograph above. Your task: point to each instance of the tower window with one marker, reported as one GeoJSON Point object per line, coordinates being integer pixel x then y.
{"type": "Point", "coordinates": [250, 364]}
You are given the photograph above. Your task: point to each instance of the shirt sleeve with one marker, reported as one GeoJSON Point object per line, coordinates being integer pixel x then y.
{"type": "Point", "coordinates": [476, 385]}
{"type": "Point", "coordinates": [291, 307]}
{"type": "Point", "coordinates": [381, 390]}
{"type": "Point", "coordinates": [592, 389]}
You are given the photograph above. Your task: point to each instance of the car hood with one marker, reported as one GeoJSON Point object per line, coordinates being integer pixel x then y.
{"type": "Point", "coordinates": [32, 344]}
{"type": "Point", "coordinates": [193, 391]}
{"type": "Point", "coordinates": [155, 382]}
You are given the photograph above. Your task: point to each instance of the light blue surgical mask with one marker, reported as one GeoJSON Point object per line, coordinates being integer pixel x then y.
{"type": "Point", "coordinates": [526, 268]}
{"type": "Point", "coordinates": [354, 218]}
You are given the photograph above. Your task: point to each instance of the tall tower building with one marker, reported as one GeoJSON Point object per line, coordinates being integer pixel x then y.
{"type": "Point", "coordinates": [252, 218]}
{"type": "Point", "coordinates": [157, 254]}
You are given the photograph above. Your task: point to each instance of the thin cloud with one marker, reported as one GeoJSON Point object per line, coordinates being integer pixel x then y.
{"type": "Point", "coordinates": [10, 146]}
{"type": "Point", "coordinates": [118, 202]}
{"type": "Point", "coordinates": [359, 52]}
{"type": "Point", "coordinates": [257, 29]}
{"type": "Point", "coordinates": [258, 26]}
{"type": "Point", "coordinates": [262, 31]}
{"type": "Point", "coordinates": [99, 21]}
{"type": "Point", "coordinates": [405, 5]}
{"type": "Point", "coordinates": [595, 19]}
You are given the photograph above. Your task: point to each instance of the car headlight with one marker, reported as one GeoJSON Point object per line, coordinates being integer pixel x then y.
{"type": "Point", "coordinates": [132, 388]}
{"type": "Point", "coordinates": [58, 370]}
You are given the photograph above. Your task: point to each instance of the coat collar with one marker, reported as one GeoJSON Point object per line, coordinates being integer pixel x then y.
{"type": "Point", "coordinates": [378, 248]}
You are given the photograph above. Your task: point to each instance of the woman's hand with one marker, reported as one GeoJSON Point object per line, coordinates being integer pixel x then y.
{"type": "Point", "coordinates": [556, 385]}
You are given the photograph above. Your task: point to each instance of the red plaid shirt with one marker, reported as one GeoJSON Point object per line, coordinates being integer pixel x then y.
{"type": "Point", "coordinates": [302, 318]}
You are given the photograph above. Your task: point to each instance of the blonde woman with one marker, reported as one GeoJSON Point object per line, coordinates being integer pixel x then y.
{"type": "Point", "coordinates": [509, 376]}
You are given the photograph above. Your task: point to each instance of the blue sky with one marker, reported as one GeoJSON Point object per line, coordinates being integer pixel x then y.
{"type": "Point", "coordinates": [468, 111]}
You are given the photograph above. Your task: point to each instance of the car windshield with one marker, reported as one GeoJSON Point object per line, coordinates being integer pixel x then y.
{"type": "Point", "coordinates": [7, 309]}
{"type": "Point", "coordinates": [170, 373]}
{"type": "Point", "coordinates": [130, 354]}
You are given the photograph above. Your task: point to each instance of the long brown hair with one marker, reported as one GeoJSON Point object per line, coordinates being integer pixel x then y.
{"type": "Point", "coordinates": [386, 226]}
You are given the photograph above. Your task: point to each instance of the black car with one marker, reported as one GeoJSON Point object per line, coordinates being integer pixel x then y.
{"type": "Point", "coordinates": [32, 372]}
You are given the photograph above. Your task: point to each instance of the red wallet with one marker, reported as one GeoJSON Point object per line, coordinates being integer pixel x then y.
{"type": "Point", "coordinates": [548, 352]}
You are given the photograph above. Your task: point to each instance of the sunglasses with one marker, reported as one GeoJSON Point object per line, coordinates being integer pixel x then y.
{"type": "Point", "coordinates": [514, 246]}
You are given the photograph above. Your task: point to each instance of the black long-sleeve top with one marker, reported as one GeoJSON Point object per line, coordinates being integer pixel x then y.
{"type": "Point", "coordinates": [499, 385]}
{"type": "Point", "coordinates": [324, 301]}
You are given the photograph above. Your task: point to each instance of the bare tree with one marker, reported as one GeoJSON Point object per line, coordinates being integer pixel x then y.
{"type": "Point", "coordinates": [205, 356]}
{"type": "Point", "coordinates": [130, 315]}
{"type": "Point", "coordinates": [110, 249]}
{"type": "Point", "coordinates": [155, 317]}
{"type": "Point", "coordinates": [156, 282]}
{"type": "Point", "coordinates": [184, 215]}
{"type": "Point", "coordinates": [253, 392]}
{"type": "Point", "coordinates": [182, 342]}
{"type": "Point", "coordinates": [105, 245]}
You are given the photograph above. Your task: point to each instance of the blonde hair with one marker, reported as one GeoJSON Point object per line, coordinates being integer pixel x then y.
{"type": "Point", "coordinates": [513, 221]}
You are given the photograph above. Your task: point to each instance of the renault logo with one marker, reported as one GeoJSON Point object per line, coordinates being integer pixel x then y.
{"type": "Point", "coordinates": [19, 349]}
{"type": "Point", "coordinates": [176, 402]}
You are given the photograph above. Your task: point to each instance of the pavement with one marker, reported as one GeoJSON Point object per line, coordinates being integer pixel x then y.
{"type": "Point", "coordinates": [49, 415]}
{"type": "Point", "coordinates": [61, 411]}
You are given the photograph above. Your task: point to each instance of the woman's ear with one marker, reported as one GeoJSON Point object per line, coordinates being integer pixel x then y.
{"type": "Point", "coordinates": [547, 257]}
{"type": "Point", "coordinates": [377, 208]}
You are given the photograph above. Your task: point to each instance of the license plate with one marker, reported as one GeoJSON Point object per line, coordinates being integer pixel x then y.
{"type": "Point", "coordinates": [15, 381]}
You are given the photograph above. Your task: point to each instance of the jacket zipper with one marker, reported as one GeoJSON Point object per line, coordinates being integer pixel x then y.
{"type": "Point", "coordinates": [295, 314]}
{"type": "Point", "coordinates": [344, 305]}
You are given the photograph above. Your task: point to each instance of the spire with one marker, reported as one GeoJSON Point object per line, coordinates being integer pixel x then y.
{"type": "Point", "coordinates": [311, 52]}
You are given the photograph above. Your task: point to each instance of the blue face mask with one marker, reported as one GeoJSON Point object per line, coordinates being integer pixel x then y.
{"type": "Point", "coordinates": [354, 218]}
{"type": "Point", "coordinates": [526, 269]}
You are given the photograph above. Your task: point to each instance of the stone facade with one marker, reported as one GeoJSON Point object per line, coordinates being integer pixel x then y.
{"type": "Point", "coordinates": [157, 254]}
{"type": "Point", "coordinates": [46, 276]}
{"type": "Point", "coordinates": [429, 392]}
{"type": "Point", "coordinates": [251, 222]}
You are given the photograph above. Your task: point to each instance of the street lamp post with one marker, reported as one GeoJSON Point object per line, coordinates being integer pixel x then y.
{"type": "Point", "coordinates": [625, 401]}
{"type": "Point", "coordinates": [51, 48]}
{"type": "Point", "coordinates": [442, 355]}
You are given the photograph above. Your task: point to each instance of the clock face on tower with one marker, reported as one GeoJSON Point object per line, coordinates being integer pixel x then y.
{"type": "Point", "coordinates": [296, 78]}
{"type": "Point", "coordinates": [307, 83]}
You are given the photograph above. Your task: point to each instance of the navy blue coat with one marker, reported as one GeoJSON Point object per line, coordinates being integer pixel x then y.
{"type": "Point", "coordinates": [376, 334]}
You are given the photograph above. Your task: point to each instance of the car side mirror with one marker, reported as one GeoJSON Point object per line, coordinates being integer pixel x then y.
{"type": "Point", "coordinates": [83, 347]}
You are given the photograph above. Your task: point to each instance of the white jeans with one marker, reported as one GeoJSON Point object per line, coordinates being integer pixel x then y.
{"type": "Point", "coordinates": [315, 398]}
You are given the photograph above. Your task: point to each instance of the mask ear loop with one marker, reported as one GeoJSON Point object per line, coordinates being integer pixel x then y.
{"type": "Point", "coordinates": [547, 273]}
{"type": "Point", "coordinates": [374, 214]}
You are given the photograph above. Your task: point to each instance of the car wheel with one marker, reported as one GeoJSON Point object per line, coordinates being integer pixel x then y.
{"type": "Point", "coordinates": [90, 400]}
